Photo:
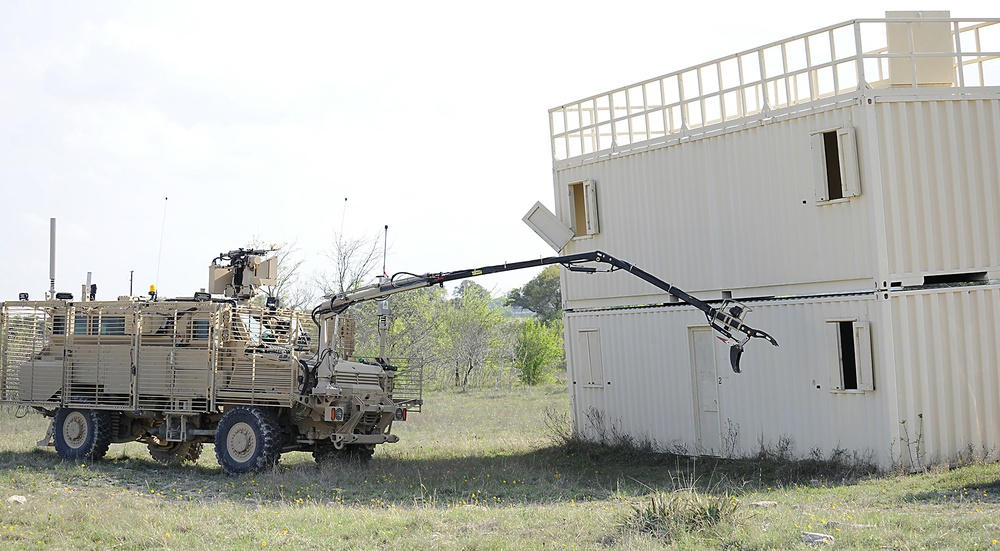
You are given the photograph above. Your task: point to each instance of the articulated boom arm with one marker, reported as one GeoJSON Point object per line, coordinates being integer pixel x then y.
{"type": "Point", "coordinates": [727, 319]}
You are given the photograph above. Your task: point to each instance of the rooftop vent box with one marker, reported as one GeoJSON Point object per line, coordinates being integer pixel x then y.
{"type": "Point", "coordinates": [931, 41]}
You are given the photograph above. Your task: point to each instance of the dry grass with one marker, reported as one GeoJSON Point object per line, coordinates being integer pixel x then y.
{"type": "Point", "coordinates": [480, 470]}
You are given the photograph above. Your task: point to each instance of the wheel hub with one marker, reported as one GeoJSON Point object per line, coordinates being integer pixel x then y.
{"type": "Point", "coordinates": [241, 442]}
{"type": "Point", "coordinates": [75, 429]}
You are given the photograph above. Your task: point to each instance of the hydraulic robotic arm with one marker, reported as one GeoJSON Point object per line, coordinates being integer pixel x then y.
{"type": "Point", "coordinates": [727, 319]}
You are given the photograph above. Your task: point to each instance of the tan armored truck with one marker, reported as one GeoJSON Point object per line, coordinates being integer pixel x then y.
{"type": "Point", "coordinates": [213, 368]}
{"type": "Point", "coordinates": [253, 380]}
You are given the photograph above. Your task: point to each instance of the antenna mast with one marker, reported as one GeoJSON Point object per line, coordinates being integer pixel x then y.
{"type": "Point", "coordinates": [385, 248]}
{"type": "Point", "coordinates": [159, 252]}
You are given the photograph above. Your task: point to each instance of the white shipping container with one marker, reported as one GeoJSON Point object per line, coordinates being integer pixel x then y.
{"type": "Point", "coordinates": [848, 171]}
{"type": "Point", "coordinates": [924, 366]}
{"type": "Point", "coordinates": [940, 172]}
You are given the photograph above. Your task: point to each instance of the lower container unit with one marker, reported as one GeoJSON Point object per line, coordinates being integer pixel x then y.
{"type": "Point", "coordinates": [904, 377]}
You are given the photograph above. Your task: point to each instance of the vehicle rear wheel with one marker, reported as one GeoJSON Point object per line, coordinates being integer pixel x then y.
{"type": "Point", "coordinates": [248, 440]}
{"type": "Point", "coordinates": [82, 433]}
{"type": "Point", "coordinates": [174, 453]}
{"type": "Point", "coordinates": [354, 453]}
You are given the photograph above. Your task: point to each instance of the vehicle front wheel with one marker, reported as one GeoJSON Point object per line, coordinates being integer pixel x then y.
{"type": "Point", "coordinates": [247, 440]}
{"type": "Point", "coordinates": [82, 433]}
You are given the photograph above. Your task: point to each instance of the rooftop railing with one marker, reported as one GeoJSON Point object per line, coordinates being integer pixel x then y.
{"type": "Point", "coordinates": [780, 77]}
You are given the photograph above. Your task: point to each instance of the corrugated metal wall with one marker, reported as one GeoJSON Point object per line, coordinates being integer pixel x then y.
{"type": "Point", "coordinates": [936, 361]}
{"type": "Point", "coordinates": [731, 212]}
{"type": "Point", "coordinates": [738, 211]}
{"type": "Point", "coordinates": [782, 392]}
{"type": "Point", "coordinates": [948, 369]}
{"type": "Point", "coordinates": [940, 163]}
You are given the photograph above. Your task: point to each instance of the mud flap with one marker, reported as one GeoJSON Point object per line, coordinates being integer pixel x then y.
{"type": "Point", "coordinates": [48, 439]}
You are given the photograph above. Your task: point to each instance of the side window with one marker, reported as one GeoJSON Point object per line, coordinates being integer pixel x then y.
{"type": "Point", "coordinates": [112, 325]}
{"type": "Point", "coordinates": [583, 208]}
{"type": "Point", "coordinates": [199, 330]}
{"type": "Point", "coordinates": [849, 353]}
{"type": "Point", "coordinates": [80, 323]}
{"type": "Point", "coordinates": [590, 367]}
{"type": "Point", "coordinates": [835, 164]}
{"type": "Point", "coordinates": [58, 325]}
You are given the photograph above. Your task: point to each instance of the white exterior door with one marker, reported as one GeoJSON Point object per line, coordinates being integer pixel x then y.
{"type": "Point", "coordinates": [708, 427]}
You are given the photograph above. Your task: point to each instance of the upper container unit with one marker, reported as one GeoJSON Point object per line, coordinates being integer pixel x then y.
{"type": "Point", "coordinates": [852, 158]}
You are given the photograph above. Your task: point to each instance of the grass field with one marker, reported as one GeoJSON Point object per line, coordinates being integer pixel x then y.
{"type": "Point", "coordinates": [483, 470]}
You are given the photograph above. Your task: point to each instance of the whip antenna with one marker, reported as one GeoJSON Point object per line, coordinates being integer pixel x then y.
{"type": "Point", "coordinates": [159, 252]}
{"type": "Point", "coordinates": [385, 248]}
{"type": "Point", "coordinates": [343, 216]}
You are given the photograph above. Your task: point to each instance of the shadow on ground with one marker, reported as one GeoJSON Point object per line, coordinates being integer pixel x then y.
{"type": "Point", "coordinates": [549, 475]}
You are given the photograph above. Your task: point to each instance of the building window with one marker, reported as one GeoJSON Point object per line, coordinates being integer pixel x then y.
{"type": "Point", "coordinates": [835, 164]}
{"type": "Point", "coordinates": [834, 180]}
{"type": "Point", "coordinates": [583, 208]}
{"type": "Point", "coordinates": [850, 355]}
{"type": "Point", "coordinates": [590, 368]}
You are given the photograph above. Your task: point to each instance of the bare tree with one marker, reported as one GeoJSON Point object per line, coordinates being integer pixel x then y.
{"type": "Point", "coordinates": [353, 260]}
{"type": "Point", "coordinates": [289, 288]}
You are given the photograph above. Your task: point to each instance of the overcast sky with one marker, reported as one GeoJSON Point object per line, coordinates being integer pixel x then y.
{"type": "Point", "coordinates": [260, 119]}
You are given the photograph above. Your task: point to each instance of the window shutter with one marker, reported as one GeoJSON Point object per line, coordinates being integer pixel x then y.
{"type": "Point", "coordinates": [584, 373]}
{"type": "Point", "coordinates": [590, 201]}
{"type": "Point", "coordinates": [547, 226]}
{"type": "Point", "coordinates": [833, 356]}
{"type": "Point", "coordinates": [819, 166]}
{"type": "Point", "coordinates": [851, 182]}
{"type": "Point", "coordinates": [863, 355]}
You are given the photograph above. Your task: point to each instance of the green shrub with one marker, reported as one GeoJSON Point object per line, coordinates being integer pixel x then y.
{"type": "Point", "coordinates": [667, 516]}
{"type": "Point", "coordinates": [539, 348]}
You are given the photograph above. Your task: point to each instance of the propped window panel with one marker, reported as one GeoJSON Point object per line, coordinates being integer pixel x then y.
{"type": "Point", "coordinates": [590, 204]}
{"type": "Point", "coordinates": [849, 355]}
{"type": "Point", "coordinates": [864, 359]}
{"type": "Point", "coordinates": [547, 226]}
{"type": "Point", "coordinates": [583, 208]}
{"type": "Point", "coordinates": [836, 173]}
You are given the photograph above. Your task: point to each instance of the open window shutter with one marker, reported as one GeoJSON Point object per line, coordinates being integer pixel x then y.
{"type": "Point", "coordinates": [547, 226]}
{"type": "Point", "coordinates": [851, 180]}
{"type": "Point", "coordinates": [833, 356]}
{"type": "Point", "coordinates": [590, 199]}
{"type": "Point", "coordinates": [863, 355]}
{"type": "Point", "coordinates": [819, 166]}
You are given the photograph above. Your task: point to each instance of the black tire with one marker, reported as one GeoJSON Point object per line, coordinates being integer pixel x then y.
{"type": "Point", "coordinates": [175, 453]}
{"type": "Point", "coordinates": [247, 440]}
{"type": "Point", "coordinates": [82, 433]}
{"type": "Point", "coordinates": [355, 453]}
{"type": "Point", "coordinates": [324, 455]}
{"type": "Point", "coordinates": [359, 453]}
